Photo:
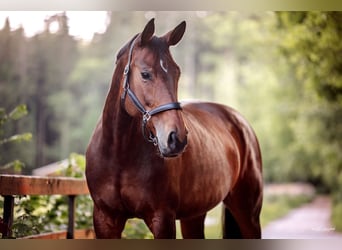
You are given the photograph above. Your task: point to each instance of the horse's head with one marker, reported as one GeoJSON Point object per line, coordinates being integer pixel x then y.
{"type": "Point", "coordinates": [150, 80]}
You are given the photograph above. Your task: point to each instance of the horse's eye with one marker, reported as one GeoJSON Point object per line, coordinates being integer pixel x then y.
{"type": "Point", "coordinates": [146, 76]}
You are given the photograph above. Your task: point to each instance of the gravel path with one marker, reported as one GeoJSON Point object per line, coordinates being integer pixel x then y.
{"type": "Point", "coordinates": [310, 221]}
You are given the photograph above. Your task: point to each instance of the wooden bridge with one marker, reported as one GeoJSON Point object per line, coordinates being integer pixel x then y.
{"type": "Point", "coordinates": [13, 185]}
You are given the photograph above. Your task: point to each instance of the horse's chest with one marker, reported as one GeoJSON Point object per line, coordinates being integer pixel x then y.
{"type": "Point", "coordinates": [142, 192]}
{"type": "Point", "coordinates": [134, 199]}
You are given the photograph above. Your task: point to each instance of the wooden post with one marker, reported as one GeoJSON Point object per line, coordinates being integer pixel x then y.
{"type": "Point", "coordinates": [8, 215]}
{"type": "Point", "coordinates": [71, 215]}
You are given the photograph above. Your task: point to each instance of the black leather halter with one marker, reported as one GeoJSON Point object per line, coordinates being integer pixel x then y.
{"type": "Point", "coordinates": [147, 114]}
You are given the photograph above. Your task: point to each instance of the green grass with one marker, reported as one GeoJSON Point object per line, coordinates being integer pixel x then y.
{"type": "Point", "coordinates": [336, 216]}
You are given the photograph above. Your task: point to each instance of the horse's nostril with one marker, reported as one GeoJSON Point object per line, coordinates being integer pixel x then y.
{"type": "Point", "coordinates": [175, 146]}
{"type": "Point", "coordinates": [172, 140]}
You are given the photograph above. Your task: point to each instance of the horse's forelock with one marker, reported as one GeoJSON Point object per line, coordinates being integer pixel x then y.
{"type": "Point", "coordinates": [157, 45]}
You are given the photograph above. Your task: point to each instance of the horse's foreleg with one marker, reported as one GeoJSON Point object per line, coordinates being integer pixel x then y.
{"type": "Point", "coordinates": [163, 225]}
{"type": "Point", "coordinates": [108, 226]}
{"type": "Point", "coordinates": [193, 228]}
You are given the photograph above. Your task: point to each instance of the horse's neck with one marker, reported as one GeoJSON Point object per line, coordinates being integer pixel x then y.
{"type": "Point", "coordinates": [120, 132]}
{"type": "Point", "coordinates": [119, 129]}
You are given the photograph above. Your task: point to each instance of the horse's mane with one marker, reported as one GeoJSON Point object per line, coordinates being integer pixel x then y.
{"type": "Point", "coordinates": [126, 47]}
{"type": "Point", "coordinates": [113, 95]}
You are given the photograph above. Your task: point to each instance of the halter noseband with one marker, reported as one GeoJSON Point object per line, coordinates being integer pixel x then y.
{"type": "Point", "coordinates": [147, 114]}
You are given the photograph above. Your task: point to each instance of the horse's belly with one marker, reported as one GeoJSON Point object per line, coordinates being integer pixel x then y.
{"type": "Point", "coordinates": [203, 193]}
{"type": "Point", "coordinates": [208, 168]}
{"type": "Point", "coordinates": [198, 205]}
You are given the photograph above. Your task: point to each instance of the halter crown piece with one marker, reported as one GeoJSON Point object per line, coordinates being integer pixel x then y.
{"type": "Point", "coordinates": [147, 114]}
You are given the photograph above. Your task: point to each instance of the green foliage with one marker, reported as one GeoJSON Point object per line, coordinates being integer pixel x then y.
{"type": "Point", "coordinates": [17, 138]}
{"type": "Point", "coordinates": [35, 71]}
{"type": "Point", "coordinates": [311, 43]}
{"type": "Point", "coordinates": [75, 168]}
{"type": "Point", "coordinates": [6, 119]}
{"type": "Point", "coordinates": [15, 114]}
{"type": "Point", "coordinates": [136, 229]}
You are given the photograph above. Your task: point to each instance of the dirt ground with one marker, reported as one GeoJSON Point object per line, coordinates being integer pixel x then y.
{"type": "Point", "coordinates": [310, 221]}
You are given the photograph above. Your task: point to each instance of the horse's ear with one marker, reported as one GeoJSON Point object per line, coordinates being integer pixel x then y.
{"type": "Point", "coordinates": [175, 35]}
{"type": "Point", "coordinates": [147, 32]}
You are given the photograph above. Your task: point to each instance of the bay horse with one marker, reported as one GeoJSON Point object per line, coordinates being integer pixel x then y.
{"type": "Point", "coordinates": [160, 160]}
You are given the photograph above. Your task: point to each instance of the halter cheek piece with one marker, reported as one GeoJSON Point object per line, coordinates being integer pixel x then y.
{"type": "Point", "coordinates": [147, 114]}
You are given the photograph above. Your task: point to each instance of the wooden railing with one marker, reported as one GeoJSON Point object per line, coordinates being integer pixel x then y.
{"type": "Point", "coordinates": [12, 185]}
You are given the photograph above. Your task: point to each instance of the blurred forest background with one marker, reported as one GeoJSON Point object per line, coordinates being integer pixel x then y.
{"type": "Point", "coordinates": [281, 70]}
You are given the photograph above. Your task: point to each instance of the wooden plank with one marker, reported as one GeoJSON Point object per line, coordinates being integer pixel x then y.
{"type": "Point", "coordinates": [48, 236]}
{"type": "Point", "coordinates": [79, 234]}
{"type": "Point", "coordinates": [34, 185]}
{"type": "Point", "coordinates": [85, 234]}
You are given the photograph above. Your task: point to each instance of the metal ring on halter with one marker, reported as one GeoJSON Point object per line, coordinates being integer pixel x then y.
{"type": "Point", "coordinates": [146, 116]}
{"type": "Point", "coordinates": [152, 138]}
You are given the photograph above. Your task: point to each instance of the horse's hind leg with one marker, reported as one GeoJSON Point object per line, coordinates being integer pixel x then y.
{"type": "Point", "coordinates": [230, 228]}
{"type": "Point", "coordinates": [243, 208]}
{"type": "Point", "coordinates": [193, 228]}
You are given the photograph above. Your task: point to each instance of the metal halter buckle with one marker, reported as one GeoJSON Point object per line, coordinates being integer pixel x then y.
{"type": "Point", "coordinates": [146, 116]}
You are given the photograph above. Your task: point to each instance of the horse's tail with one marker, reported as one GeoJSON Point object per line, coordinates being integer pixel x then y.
{"type": "Point", "coordinates": [230, 228]}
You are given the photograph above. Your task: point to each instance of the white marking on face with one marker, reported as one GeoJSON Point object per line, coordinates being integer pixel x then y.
{"type": "Point", "coordinates": [162, 66]}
